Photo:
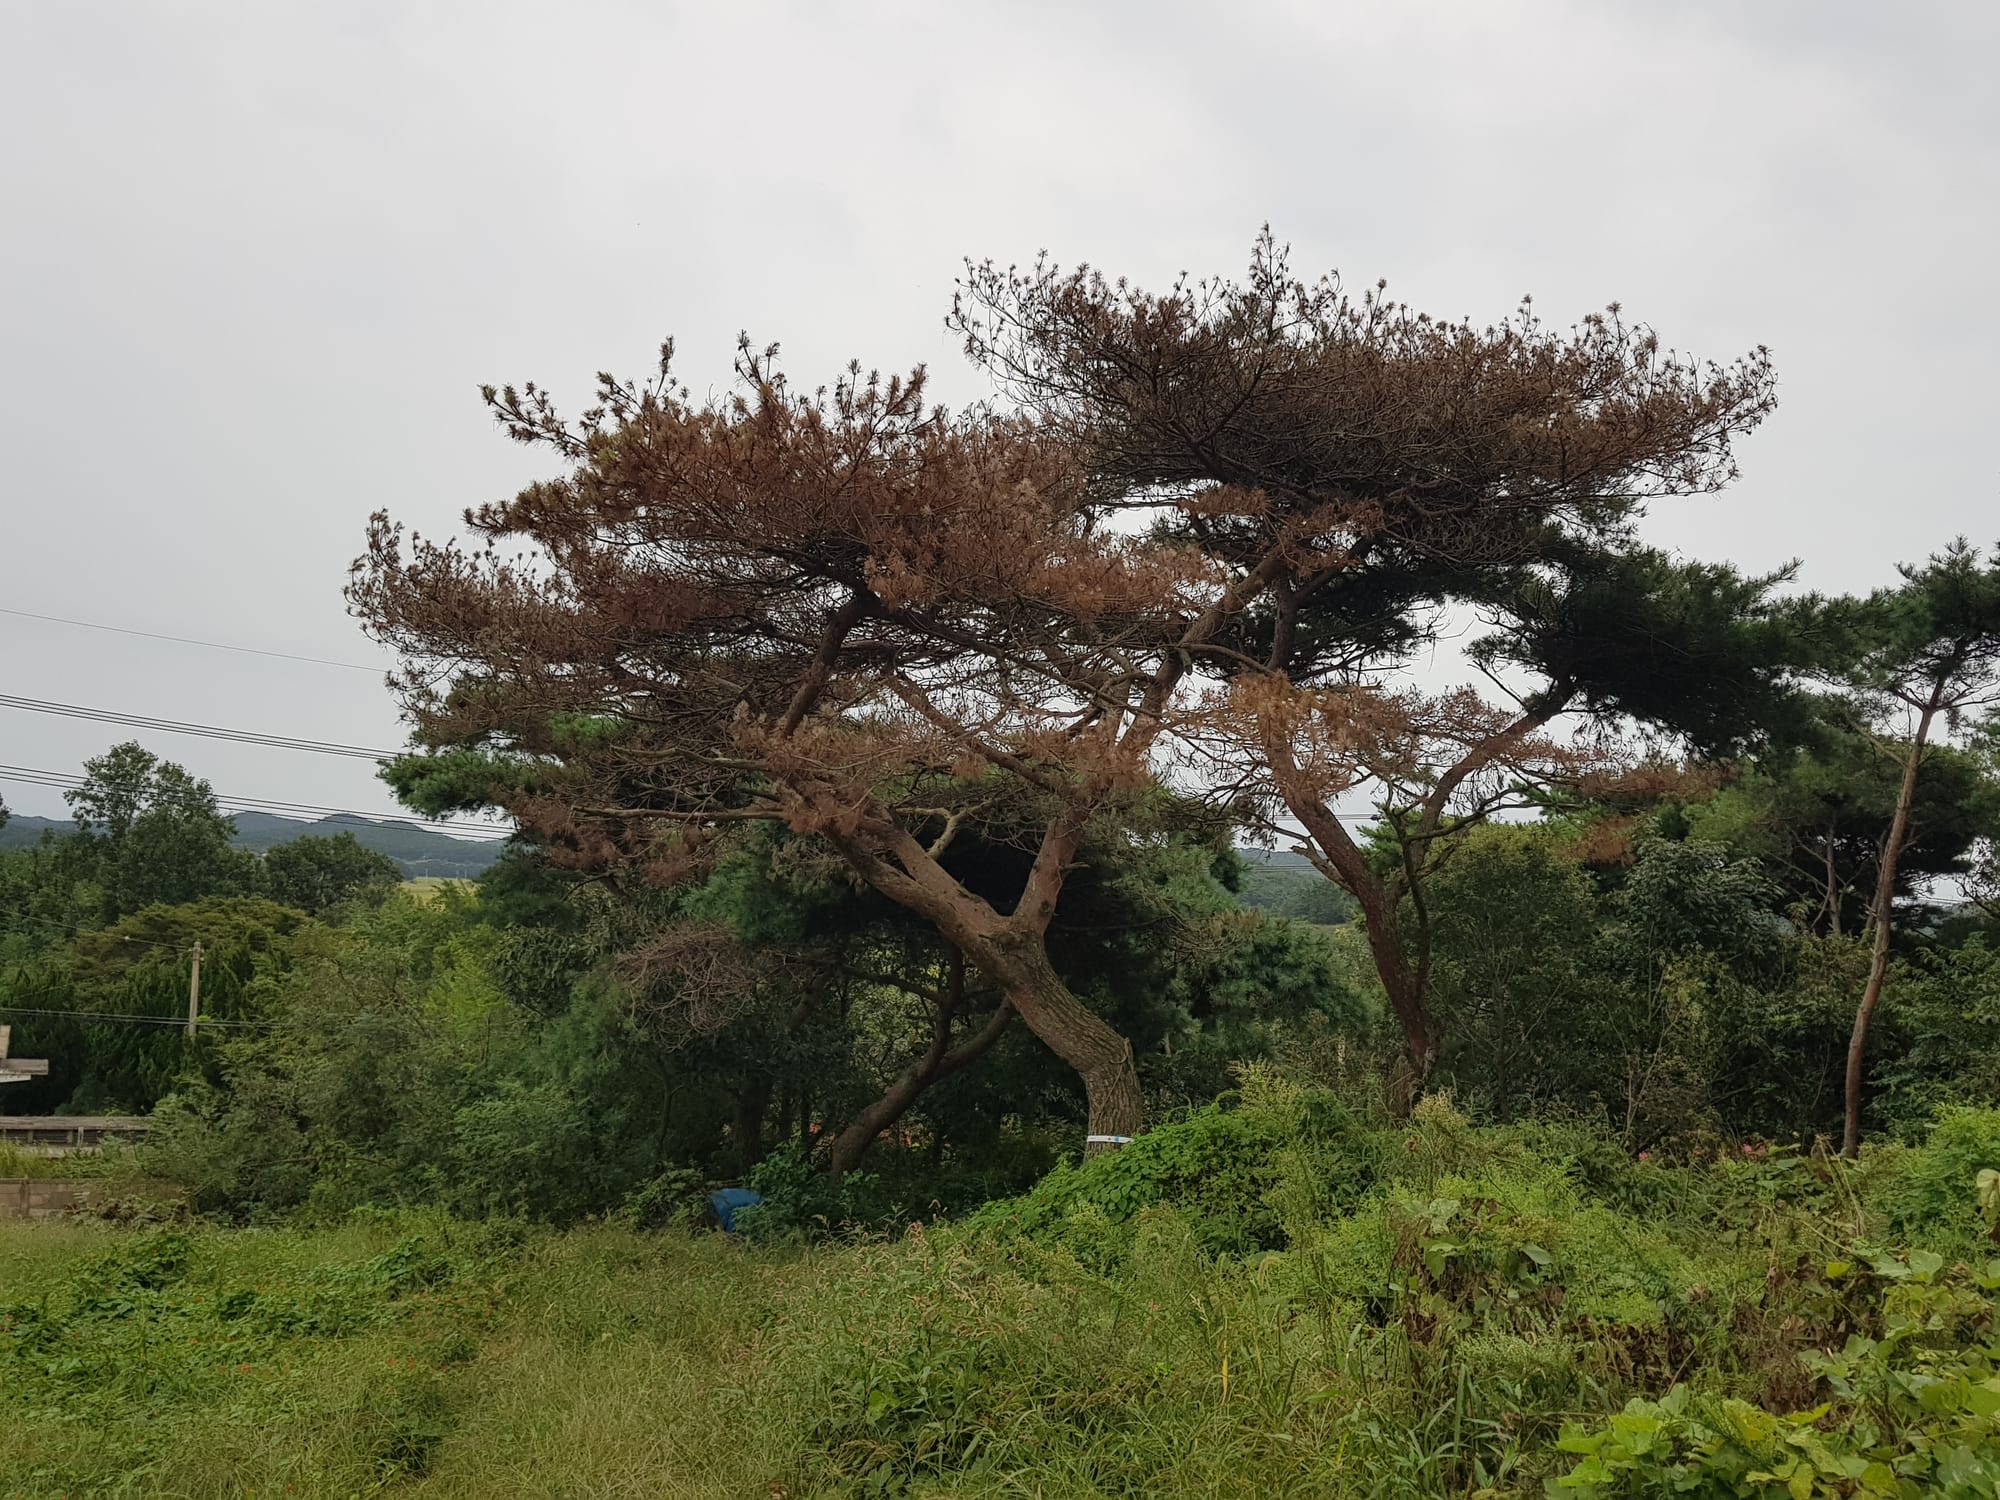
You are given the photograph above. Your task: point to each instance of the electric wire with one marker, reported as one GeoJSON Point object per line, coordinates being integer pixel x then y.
{"type": "Point", "coordinates": [32, 776]}
{"type": "Point", "coordinates": [206, 731]}
{"type": "Point", "coordinates": [75, 929]}
{"type": "Point", "coordinates": [185, 640]}
{"type": "Point", "coordinates": [469, 831]}
{"type": "Point", "coordinates": [129, 1020]}
{"type": "Point", "coordinates": [252, 737]}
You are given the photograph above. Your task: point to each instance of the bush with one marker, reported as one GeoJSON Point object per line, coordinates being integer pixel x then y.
{"type": "Point", "coordinates": [800, 1201]}
{"type": "Point", "coordinates": [526, 1149]}
{"type": "Point", "coordinates": [1240, 1173]}
{"type": "Point", "coordinates": [1913, 1411]}
{"type": "Point", "coordinates": [1930, 1191]}
{"type": "Point", "coordinates": [674, 1199]}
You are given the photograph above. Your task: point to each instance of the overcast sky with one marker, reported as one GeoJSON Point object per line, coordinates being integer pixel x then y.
{"type": "Point", "coordinates": [256, 259]}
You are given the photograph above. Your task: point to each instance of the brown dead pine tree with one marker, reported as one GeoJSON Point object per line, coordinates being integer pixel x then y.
{"type": "Point", "coordinates": [844, 612]}
{"type": "Point", "coordinates": [1352, 471]}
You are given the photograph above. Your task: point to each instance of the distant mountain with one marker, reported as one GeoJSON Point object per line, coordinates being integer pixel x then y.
{"type": "Point", "coordinates": [1287, 884]}
{"type": "Point", "coordinates": [24, 832]}
{"type": "Point", "coordinates": [1277, 859]}
{"type": "Point", "coordinates": [420, 851]}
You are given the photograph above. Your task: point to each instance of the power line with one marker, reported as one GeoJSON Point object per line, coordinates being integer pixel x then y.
{"type": "Point", "coordinates": [185, 640]}
{"type": "Point", "coordinates": [129, 1020]}
{"type": "Point", "coordinates": [61, 779]}
{"type": "Point", "coordinates": [206, 731]}
{"type": "Point", "coordinates": [472, 832]}
{"type": "Point", "coordinates": [73, 929]}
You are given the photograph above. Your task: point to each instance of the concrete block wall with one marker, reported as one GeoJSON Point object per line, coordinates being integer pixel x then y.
{"type": "Point", "coordinates": [38, 1197]}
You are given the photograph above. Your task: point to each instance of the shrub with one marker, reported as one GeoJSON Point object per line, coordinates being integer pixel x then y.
{"type": "Point", "coordinates": [1930, 1191]}
{"type": "Point", "coordinates": [1915, 1411]}
{"type": "Point", "coordinates": [526, 1149]}
{"type": "Point", "coordinates": [1215, 1167]}
{"type": "Point", "coordinates": [801, 1202]}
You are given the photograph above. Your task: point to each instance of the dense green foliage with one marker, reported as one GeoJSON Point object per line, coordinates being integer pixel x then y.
{"type": "Point", "coordinates": [320, 875]}
{"type": "Point", "coordinates": [1288, 885]}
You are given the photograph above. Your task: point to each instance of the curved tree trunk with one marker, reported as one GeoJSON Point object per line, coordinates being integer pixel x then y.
{"type": "Point", "coordinates": [1878, 962]}
{"type": "Point", "coordinates": [1405, 983]}
{"type": "Point", "coordinates": [1012, 952]}
{"type": "Point", "coordinates": [1405, 978]}
{"type": "Point", "coordinates": [933, 1067]}
{"type": "Point", "coordinates": [1102, 1058]}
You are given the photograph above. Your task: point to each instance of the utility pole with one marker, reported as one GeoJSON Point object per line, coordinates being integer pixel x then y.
{"type": "Point", "coordinates": [194, 990]}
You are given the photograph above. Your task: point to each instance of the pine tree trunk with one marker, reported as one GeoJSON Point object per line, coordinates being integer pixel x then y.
{"type": "Point", "coordinates": [1102, 1058]}
{"type": "Point", "coordinates": [1878, 962]}
{"type": "Point", "coordinates": [1405, 984]}
{"type": "Point", "coordinates": [753, 1100]}
{"type": "Point", "coordinates": [1011, 952]}
{"type": "Point", "coordinates": [935, 1065]}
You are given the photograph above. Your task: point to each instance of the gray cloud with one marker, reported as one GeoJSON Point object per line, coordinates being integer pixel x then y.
{"type": "Point", "coordinates": [256, 259]}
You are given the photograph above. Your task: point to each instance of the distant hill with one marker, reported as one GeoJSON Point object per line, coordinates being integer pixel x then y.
{"type": "Point", "coordinates": [1278, 878]}
{"type": "Point", "coordinates": [1277, 859]}
{"type": "Point", "coordinates": [24, 832]}
{"type": "Point", "coordinates": [420, 851]}
{"type": "Point", "coordinates": [1287, 884]}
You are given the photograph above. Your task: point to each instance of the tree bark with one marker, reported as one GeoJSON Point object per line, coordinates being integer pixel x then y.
{"type": "Point", "coordinates": [1018, 965]}
{"type": "Point", "coordinates": [1404, 983]}
{"type": "Point", "coordinates": [1102, 1058]}
{"type": "Point", "coordinates": [937, 1064]}
{"type": "Point", "coordinates": [753, 1101]}
{"type": "Point", "coordinates": [1878, 962]}
{"type": "Point", "coordinates": [1011, 951]}
{"type": "Point", "coordinates": [1406, 986]}
{"type": "Point", "coordinates": [1405, 979]}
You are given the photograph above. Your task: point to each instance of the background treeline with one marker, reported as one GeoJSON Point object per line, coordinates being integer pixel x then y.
{"type": "Point", "coordinates": [1680, 968]}
{"type": "Point", "coordinates": [417, 851]}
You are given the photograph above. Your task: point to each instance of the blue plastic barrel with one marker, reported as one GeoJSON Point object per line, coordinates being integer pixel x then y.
{"type": "Point", "coordinates": [725, 1202]}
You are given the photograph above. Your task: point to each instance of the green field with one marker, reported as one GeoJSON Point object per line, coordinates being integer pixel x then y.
{"type": "Point", "coordinates": [444, 1359]}
{"type": "Point", "coordinates": [1260, 1301]}
{"type": "Point", "coordinates": [432, 887]}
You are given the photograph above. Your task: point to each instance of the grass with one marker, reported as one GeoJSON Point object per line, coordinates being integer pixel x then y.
{"type": "Point", "coordinates": [431, 888]}
{"type": "Point", "coordinates": [112, 1161]}
{"type": "Point", "coordinates": [433, 1360]}
{"type": "Point", "coordinates": [1438, 1307]}
{"type": "Point", "coordinates": [400, 1355]}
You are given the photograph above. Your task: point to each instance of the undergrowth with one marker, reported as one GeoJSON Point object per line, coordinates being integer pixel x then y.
{"type": "Point", "coordinates": [1270, 1297]}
